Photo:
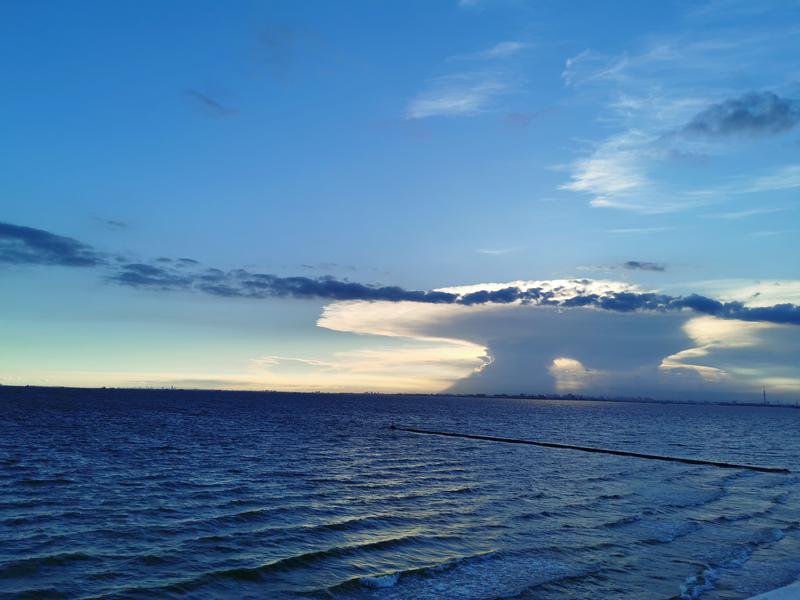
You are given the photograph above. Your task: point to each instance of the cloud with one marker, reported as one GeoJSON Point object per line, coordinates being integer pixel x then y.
{"type": "Point", "coordinates": [671, 105]}
{"type": "Point", "coordinates": [638, 265]}
{"type": "Point", "coordinates": [24, 245]}
{"type": "Point", "coordinates": [408, 366]}
{"type": "Point", "coordinates": [497, 251]}
{"type": "Point", "coordinates": [588, 66]}
{"type": "Point", "coordinates": [768, 233]}
{"type": "Point", "coordinates": [750, 212]}
{"type": "Point", "coordinates": [112, 223]}
{"type": "Point", "coordinates": [461, 95]}
{"type": "Point", "coordinates": [784, 178]}
{"type": "Point", "coordinates": [601, 336]}
{"type": "Point", "coordinates": [638, 230]}
{"type": "Point", "coordinates": [149, 276]}
{"type": "Point", "coordinates": [209, 105]}
{"type": "Point", "coordinates": [552, 348]}
{"type": "Point", "coordinates": [28, 246]}
{"type": "Point", "coordinates": [732, 352]}
{"type": "Point", "coordinates": [756, 113]}
{"type": "Point", "coordinates": [498, 51]}
{"type": "Point", "coordinates": [570, 375]}
{"type": "Point", "coordinates": [524, 346]}
{"type": "Point", "coordinates": [502, 50]}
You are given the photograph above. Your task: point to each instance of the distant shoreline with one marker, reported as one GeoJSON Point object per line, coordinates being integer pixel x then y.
{"type": "Point", "coordinates": [25, 392]}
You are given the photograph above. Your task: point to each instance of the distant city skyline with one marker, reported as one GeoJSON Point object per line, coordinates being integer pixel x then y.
{"type": "Point", "coordinates": [484, 196]}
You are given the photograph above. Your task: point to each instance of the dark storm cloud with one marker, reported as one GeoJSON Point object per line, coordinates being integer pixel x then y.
{"type": "Point", "coordinates": [756, 113]}
{"type": "Point", "coordinates": [25, 245]}
{"type": "Point", "coordinates": [28, 246]}
{"type": "Point", "coordinates": [259, 285]}
{"type": "Point", "coordinates": [142, 275]}
{"type": "Point", "coordinates": [638, 265]}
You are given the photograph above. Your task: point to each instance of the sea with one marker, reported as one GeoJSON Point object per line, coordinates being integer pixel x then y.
{"type": "Point", "coordinates": [168, 494]}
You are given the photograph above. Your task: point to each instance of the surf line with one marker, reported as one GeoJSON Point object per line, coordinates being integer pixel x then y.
{"type": "Point", "coordinates": [679, 459]}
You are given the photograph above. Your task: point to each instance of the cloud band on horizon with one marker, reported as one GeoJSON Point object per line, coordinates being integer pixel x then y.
{"type": "Point", "coordinates": [21, 245]}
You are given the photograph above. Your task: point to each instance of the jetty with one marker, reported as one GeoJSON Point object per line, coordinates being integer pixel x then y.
{"type": "Point", "coordinates": [614, 452]}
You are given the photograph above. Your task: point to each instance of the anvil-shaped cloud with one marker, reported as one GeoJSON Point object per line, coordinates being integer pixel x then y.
{"type": "Point", "coordinates": [519, 348]}
{"type": "Point", "coordinates": [598, 336]}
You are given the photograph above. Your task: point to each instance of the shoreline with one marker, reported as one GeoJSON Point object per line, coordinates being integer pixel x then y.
{"type": "Point", "coordinates": [11, 391]}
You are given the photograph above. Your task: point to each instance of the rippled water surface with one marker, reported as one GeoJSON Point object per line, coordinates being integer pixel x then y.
{"type": "Point", "coordinates": [158, 495]}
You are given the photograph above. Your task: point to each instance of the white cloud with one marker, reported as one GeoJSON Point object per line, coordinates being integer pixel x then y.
{"type": "Point", "coordinates": [750, 212]}
{"type": "Point", "coordinates": [785, 178]}
{"type": "Point", "coordinates": [768, 233]}
{"type": "Point", "coordinates": [570, 375]}
{"type": "Point", "coordinates": [638, 230]}
{"type": "Point", "coordinates": [414, 366]}
{"type": "Point", "coordinates": [745, 356]}
{"type": "Point", "coordinates": [498, 51]}
{"type": "Point", "coordinates": [711, 333]}
{"type": "Point", "coordinates": [461, 95]}
{"type": "Point", "coordinates": [649, 95]}
{"type": "Point", "coordinates": [517, 348]}
{"type": "Point", "coordinates": [767, 292]}
{"type": "Point", "coordinates": [497, 251]}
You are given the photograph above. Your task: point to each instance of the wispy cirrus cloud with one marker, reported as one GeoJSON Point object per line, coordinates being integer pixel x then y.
{"type": "Point", "coordinates": [672, 106]}
{"type": "Point", "coordinates": [768, 233]}
{"type": "Point", "coordinates": [498, 251]}
{"type": "Point", "coordinates": [783, 178]}
{"type": "Point", "coordinates": [749, 212]}
{"type": "Point", "coordinates": [459, 95]}
{"type": "Point", "coordinates": [500, 50]}
{"type": "Point", "coordinates": [638, 230]}
{"type": "Point", "coordinates": [476, 83]}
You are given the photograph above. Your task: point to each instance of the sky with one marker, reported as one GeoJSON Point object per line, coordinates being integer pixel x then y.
{"type": "Point", "coordinates": [474, 196]}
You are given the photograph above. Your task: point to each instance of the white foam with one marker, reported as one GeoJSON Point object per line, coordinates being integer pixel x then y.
{"type": "Point", "coordinates": [697, 584]}
{"type": "Point", "coordinates": [479, 578]}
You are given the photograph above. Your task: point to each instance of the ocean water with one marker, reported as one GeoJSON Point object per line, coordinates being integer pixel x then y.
{"type": "Point", "coordinates": [204, 495]}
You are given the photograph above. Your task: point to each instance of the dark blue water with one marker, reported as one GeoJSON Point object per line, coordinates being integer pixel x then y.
{"type": "Point", "coordinates": [313, 497]}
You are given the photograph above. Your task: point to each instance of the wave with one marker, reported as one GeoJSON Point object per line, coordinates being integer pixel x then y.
{"type": "Point", "coordinates": [27, 567]}
{"type": "Point", "coordinates": [669, 532]}
{"type": "Point", "coordinates": [482, 576]}
{"type": "Point", "coordinates": [43, 482]}
{"type": "Point", "coordinates": [307, 559]}
{"type": "Point", "coordinates": [695, 585]}
{"type": "Point", "coordinates": [626, 520]}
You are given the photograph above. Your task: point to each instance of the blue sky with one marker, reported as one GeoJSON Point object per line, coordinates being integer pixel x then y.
{"type": "Point", "coordinates": [652, 148]}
